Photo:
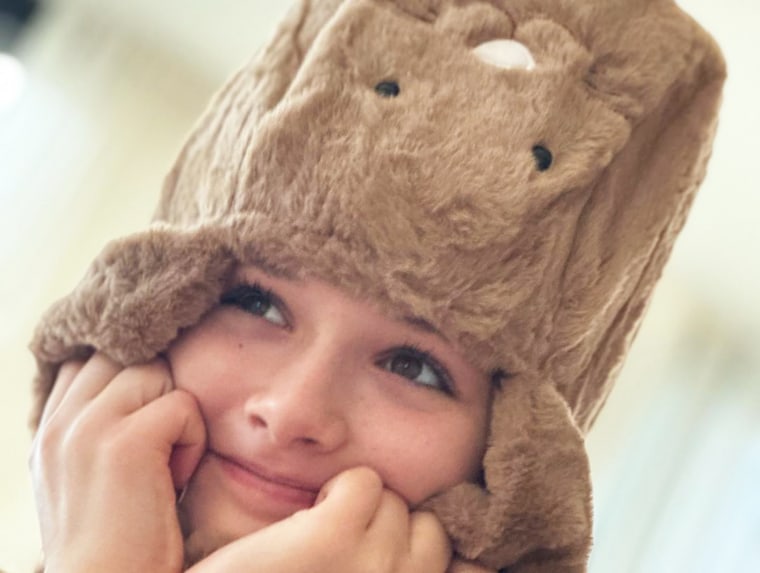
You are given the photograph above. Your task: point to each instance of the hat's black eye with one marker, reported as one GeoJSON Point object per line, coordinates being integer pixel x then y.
{"type": "Point", "coordinates": [387, 89]}
{"type": "Point", "coordinates": [543, 157]}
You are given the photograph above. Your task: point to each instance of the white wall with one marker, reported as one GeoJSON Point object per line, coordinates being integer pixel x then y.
{"type": "Point", "coordinates": [81, 159]}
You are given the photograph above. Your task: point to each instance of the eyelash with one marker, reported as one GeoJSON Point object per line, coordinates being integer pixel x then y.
{"type": "Point", "coordinates": [238, 295]}
{"type": "Point", "coordinates": [427, 357]}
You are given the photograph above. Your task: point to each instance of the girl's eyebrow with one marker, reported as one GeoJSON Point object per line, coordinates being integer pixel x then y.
{"type": "Point", "coordinates": [266, 268]}
{"type": "Point", "coordinates": [419, 323]}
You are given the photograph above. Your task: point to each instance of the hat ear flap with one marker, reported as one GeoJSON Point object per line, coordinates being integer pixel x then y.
{"type": "Point", "coordinates": [132, 302]}
{"type": "Point", "coordinates": [635, 210]}
{"type": "Point", "coordinates": [534, 511]}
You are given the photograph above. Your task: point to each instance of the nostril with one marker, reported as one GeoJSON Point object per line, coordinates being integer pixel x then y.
{"type": "Point", "coordinates": [257, 420]}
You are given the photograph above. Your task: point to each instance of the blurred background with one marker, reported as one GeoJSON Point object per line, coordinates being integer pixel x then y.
{"type": "Point", "coordinates": [96, 97]}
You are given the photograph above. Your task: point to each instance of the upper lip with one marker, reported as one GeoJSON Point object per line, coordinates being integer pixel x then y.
{"type": "Point", "coordinates": [281, 478]}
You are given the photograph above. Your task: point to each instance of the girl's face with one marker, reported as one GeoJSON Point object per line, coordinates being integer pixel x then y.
{"type": "Point", "coordinates": [297, 382]}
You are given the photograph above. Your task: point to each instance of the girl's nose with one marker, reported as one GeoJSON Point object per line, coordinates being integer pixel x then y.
{"type": "Point", "coordinates": [300, 405]}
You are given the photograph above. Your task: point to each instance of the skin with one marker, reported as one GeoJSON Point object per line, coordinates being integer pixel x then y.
{"type": "Point", "coordinates": [290, 416]}
{"type": "Point", "coordinates": [100, 424]}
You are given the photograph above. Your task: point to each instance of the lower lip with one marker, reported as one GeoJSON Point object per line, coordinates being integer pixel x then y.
{"type": "Point", "coordinates": [255, 487]}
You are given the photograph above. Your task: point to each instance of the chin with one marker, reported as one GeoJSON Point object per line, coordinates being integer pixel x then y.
{"type": "Point", "coordinates": [207, 527]}
{"type": "Point", "coordinates": [198, 546]}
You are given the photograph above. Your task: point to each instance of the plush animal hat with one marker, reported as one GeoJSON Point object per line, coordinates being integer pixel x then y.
{"type": "Point", "coordinates": [513, 171]}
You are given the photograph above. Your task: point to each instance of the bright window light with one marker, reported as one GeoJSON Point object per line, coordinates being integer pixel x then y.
{"type": "Point", "coordinates": [12, 81]}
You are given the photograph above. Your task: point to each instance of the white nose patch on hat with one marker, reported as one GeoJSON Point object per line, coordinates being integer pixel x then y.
{"type": "Point", "coordinates": [508, 54]}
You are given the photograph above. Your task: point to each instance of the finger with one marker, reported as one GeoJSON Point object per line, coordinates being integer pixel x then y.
{"type": "Point", "coordinates": [430, 548]}
{"type": "Point", "coordinates": [390, 526]}
{"type": "Point", "coordinates": [351, 498]}
{"type": "Point", "coordinates": [89, 383]}
{"type": "Point", "coordinates": [63, 381]}
{"type": "Point", "coordinates": [269, 549]}
{"type": "Point", "coordinates": [133, 388]}
{"type": "Point", "coordinates": [461, 566]}
{"type": "Point", "coordinates": [173, 424]}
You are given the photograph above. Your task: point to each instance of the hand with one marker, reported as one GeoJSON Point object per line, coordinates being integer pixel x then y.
{"type": "Point", "coordinates": [356, 525]}
{"type": "Point", "coordinates": [112, 448]}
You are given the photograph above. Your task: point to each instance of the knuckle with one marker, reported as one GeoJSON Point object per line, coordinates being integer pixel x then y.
{"type": "Point", "coordinates": [87, 435]}
{"type": "Point", "coordinates": [43, 448]}
{"type": "Point", "coordinates": [69, 369]}
{"type": "Point", "coordinates": [155, 372]}
{"type": "Point", "coordinates": [103, 365]}
{"type": "Point", "coordinates": [431, 535]}
{"type": "Point", "coordinates": [35, 453]}
{"type": "Point", "coordinates": [46, 443]}
{"type": "Point", "coordinates": [56, 442]}
{"type": "Point", "coordinates": [142, 383]}
{"type": "Point", "coordinates": [394, 503]}
{"type": "Point", "coordinates": [185, 400]}
{"type": "Point", "coordinates": [428, 522]}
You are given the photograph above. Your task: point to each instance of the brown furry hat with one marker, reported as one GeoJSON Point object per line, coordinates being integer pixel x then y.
{"type": "Point", "coordinates": [513, 171]}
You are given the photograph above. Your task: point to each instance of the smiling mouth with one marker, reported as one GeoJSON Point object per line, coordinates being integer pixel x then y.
{"type": "Point", "coordinates": [256, 480]}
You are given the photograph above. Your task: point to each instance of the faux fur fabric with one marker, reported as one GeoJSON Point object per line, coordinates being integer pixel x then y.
{"type": "Point", "coordinates": [526, 213]}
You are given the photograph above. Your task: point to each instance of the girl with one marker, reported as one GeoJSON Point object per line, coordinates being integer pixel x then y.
{"type": "Point", "coordinates": [389, 282]}
{"type": "Point", "coordinates": [281, 388]}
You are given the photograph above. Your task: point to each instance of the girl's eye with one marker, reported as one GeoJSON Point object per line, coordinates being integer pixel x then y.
{"type": "Point", "coordinates": [419, 367]}
{"type": "Point", "coordinates": [257, 301]}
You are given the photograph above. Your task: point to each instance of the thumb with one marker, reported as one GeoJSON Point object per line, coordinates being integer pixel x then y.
{"type": "Point", "coordinates": [348, 500]}
{"type": "Point", "coordinates": [351, 498]}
